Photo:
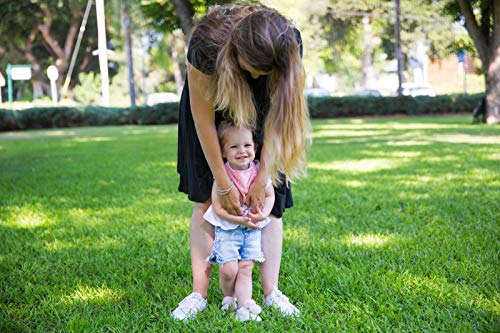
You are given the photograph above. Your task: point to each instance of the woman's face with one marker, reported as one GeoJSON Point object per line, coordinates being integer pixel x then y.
{"type": "Point", "coordinates": [238, 148]}
{"type": "Point", "coordinates": [255, 73]}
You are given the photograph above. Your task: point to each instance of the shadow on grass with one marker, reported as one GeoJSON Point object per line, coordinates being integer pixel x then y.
{"type": "Point", "coordinates": [394, 230]}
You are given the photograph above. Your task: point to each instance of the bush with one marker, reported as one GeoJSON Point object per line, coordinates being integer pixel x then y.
{"type": "Point", "coordinates": [353, 106]}
{"type": "Point", "coordinates": [167, 113]}
{"type": "Point", "coordinates": [49, 117]}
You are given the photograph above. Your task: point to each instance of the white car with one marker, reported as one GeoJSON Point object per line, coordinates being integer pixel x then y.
{"type": "Point", "coordinates": [158, 98]}
{"type": "Point", "coordinates": [417, 89]}
{"type": "Point", "coordinates": [317, 92]}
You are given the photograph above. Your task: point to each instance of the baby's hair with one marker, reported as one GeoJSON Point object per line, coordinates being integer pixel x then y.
{"type": "Point", "coordinates": [225, 126]}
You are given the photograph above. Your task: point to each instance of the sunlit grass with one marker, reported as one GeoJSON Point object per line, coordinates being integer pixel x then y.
{"type": "Point", "coordinates": [369, 240]}
{"type": "Point", "coordinates": [91, 294]}
{"type": "Point", "coordinates": [395, 230]}
{"type": "Point", "coordinates": [358, 166]}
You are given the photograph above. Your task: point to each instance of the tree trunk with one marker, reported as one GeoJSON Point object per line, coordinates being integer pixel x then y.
{"type": "Point", "coordinates": [130, 61]}
{"type": "Point", "coordinates": [368, 73]}
{"type": "Point", "coordinates": [37, 88]}
{"type": "Point", "coordinates": [488, 47]}
{"type": "Point", "coordinates": [175, 62]}
{"type": "Point", "coordinates": [397, 44]}
{"type": "Point", "coordinates": [493, 73]}
{"type": "Point", "coordinates": [493, 89]}
{"type": "Point", "coordinates": [185, 11]}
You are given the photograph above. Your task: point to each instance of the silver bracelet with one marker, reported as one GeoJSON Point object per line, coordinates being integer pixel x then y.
{"type": "Point", "coordinates": [224, 192]}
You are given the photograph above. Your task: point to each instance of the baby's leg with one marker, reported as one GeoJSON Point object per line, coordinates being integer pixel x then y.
{"type": "Point", "coordinates": [243, 285]}
{"type": "Point", "coordinates": [228, 274]}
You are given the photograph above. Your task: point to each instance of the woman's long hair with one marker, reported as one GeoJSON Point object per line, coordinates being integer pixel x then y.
{"type": "Point", "coordinates": [266, 41]}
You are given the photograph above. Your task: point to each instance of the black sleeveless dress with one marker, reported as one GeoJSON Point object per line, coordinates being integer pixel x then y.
{"type": "Point", "coordinates": [196, 179]}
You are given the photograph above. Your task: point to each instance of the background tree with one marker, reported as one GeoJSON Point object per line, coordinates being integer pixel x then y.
{"type": "Point", "coordinates": [172, 17]}
{"type": "Point", "coordinates": [126, 23]}
{"type": "Point", "coordinates": [43, 33]}
{"type": "Point", "coordinates": [482, 21]}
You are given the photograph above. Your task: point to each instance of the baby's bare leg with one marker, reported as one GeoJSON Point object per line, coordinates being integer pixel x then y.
{"type": "Point", "coordinates": [243, 285]}
{"type": "Point", "coordinates": [228, 274]}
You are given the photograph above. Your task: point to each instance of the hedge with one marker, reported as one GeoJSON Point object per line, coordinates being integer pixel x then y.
{"type": "Point", "coordinates": [353, 106]}
{"type": "Point", "coordinates": [49, 117]}
{"type": "Point", "coordinates": [167, 113]}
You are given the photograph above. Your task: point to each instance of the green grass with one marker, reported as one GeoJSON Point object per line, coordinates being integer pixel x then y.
{"type": "Point", "coordinates": [396, 229]}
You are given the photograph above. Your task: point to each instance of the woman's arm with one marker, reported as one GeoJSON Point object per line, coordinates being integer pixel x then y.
{"type": "Point", "coordinates": [262, 214]}
{"type": "Point", "coordinates": [222, 213]}
{"type": "Point", "coordinates": [257, 191]}
{"type": "Point", "coordinates": [201, 99]}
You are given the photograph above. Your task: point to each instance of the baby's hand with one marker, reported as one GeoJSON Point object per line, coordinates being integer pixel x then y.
{"type": "Point", "coordinates": [247, 222]}
{"type": "Point", "coordinates": [257, 217]}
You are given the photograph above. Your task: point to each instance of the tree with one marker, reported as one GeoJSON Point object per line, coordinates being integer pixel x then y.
{"type": "Point", "coordinates": [482, 21]}
{"type": "Point", "coordinates": [43, 33]}
{"type": "Point", "coordinates": [126, 22]}
{"type": "Point", "coordinates": [169, 17]}
{"type": "Point", "coordinates": [184, 11]}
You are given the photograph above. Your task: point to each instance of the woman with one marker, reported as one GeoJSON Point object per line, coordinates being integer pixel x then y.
{"type": "Point", "coordinates": [244, 64]}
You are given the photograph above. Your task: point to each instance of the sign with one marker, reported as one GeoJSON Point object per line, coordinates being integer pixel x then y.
{"type": "Point", "coordinates": [20, 73]}
{"type": "Point", "coordinates": [17, 72]}
{"type": "Point", "coordinates": [52, 73]}
{"type": "Point", "coordinates": [2, 84]}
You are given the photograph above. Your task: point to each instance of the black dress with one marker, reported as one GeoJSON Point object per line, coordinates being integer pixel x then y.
{"type": "Point", "coordinates": [196, 179]}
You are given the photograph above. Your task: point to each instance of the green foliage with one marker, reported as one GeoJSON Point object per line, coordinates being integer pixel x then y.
{"type": "Point", "coordinates": [353, 106]}
{"type": "Point", "coordinates": [89, 89]}
{"type": "Point", "coordinates": [49, 117]}
{"type": "Point", "coordinates": [167, 113]}
{"type": "Point", "coordinates": [22, 18]}
{"type": "Point", "coordinates": [161, 14]}
{"type": "Point", "coordinates": [394, 230]}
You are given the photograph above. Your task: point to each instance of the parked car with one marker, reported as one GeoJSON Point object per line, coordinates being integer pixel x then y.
{"type": "Point", "coordinates": [317, 92]}
{"type": "Point", "coordinates": [368, 92]}
{"type": "Point", "coordinates": [157, 98]}
{"type": "Point", "coordinates": [417, 89]}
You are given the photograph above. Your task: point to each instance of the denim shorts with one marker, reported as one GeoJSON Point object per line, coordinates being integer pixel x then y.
{"type": "Point", "coordinates": [241, 243]}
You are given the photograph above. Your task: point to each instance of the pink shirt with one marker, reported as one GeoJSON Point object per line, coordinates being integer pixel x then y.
{"type": "Point", "coordinates": [242, 180]}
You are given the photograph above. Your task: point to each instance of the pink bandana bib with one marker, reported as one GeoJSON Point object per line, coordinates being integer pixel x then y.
{"type": "Point", "coordinates": [242, 179]}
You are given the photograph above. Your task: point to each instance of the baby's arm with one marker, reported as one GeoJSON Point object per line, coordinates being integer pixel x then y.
{"type": "Point", "coordinates": [223, 214]}
{"type": "Point", "coordinates": [263, 213]}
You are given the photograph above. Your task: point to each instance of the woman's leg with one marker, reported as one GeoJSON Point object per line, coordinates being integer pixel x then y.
{"type": "Point", "coordinates": [201, 239]}
{"type": "Point", "coordinates": [272, 242]}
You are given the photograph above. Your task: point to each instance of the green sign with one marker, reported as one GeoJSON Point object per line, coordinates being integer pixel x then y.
{"type": "Point", "coordinates": [17, 72]}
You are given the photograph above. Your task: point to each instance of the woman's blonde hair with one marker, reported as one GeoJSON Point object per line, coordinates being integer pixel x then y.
{"type": "Point", "coordinates": [266, 41]}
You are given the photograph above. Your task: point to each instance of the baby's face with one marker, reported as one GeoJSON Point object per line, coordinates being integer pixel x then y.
{"type": "Point", "coordinates": [238, 148]}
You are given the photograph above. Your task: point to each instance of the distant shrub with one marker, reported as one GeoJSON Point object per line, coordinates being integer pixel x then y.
{"type": "Point", "coordinates": [167, 113]}
{"type": "Point", "coordinates": [354, 106]}
{"type": "Point", "coordinates": [49, 117]}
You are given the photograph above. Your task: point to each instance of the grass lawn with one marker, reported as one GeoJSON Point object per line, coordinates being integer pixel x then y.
{"type": "Point", "coordinates": [396, 229]}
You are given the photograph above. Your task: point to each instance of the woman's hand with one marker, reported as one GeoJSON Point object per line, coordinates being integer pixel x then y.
{"type": "Point", "coordinates": [256, 196]}
{"type": "Point", "coordinates": [231, 202]}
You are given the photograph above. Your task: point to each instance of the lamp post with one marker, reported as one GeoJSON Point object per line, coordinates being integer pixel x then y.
{"type": "Point", "coordinates": [102, 48]}
{"type": "Point", "coordinates": [2, 84]}
{"type": "Point", "coordinates": [53, 74]}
